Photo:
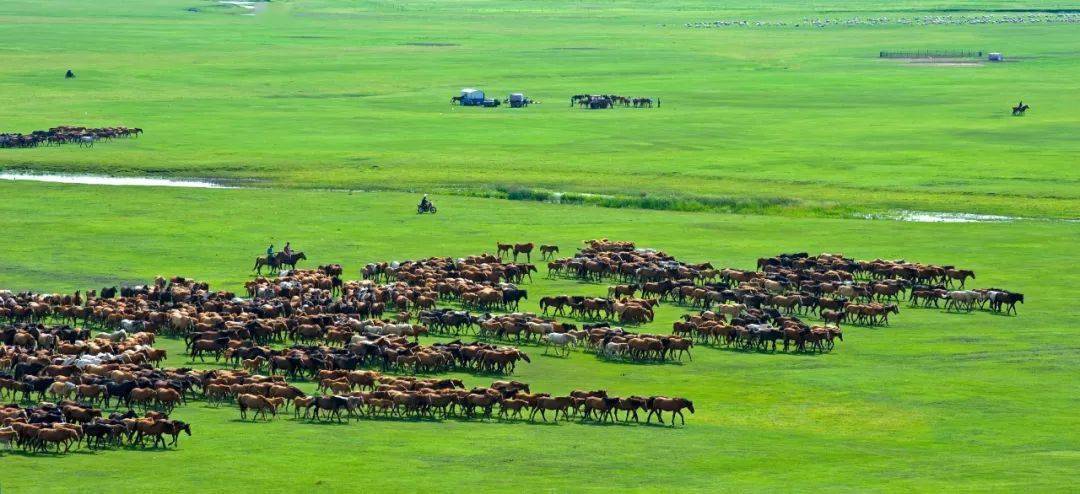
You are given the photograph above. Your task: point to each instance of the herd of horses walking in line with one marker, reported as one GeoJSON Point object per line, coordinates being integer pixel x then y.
{"type": "Point", "coordinates": [56, 136]}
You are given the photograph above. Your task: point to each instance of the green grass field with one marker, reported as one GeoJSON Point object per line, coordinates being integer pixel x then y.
{"type": "Point", "coordinates": [936, 402]}
{"type": "Point", "coordinates": [320, 93]}
{"type": "Point", "coordinates": [803, 128]}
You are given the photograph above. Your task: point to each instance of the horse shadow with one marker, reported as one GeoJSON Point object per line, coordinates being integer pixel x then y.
{"type": "Point", "coordinates": [649, 362]}
{"type": "Point", "coordinates": [768, 351]}
{"type": "Point", "coordinates": [555, 355]}
{"type": "Point", "coordinates": [606, 423]}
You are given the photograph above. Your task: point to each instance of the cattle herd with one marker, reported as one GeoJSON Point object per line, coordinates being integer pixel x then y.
{"type": "Point", "coordinates": [56, 136]}
{"type": "Point", "coordinates": [92, 355]}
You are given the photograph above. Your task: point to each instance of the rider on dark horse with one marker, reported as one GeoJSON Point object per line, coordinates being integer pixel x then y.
{"type": "Point", "coordinates": [425, 204]}
{"type": "Point", "coordinates": [287, 250]}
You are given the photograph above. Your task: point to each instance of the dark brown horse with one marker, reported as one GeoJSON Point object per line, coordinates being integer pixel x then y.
{"type": "Point", "coordinates": [503, 249]}
{"type": "Point", "coordinates": [660, 404]}
{"type": "Point", "coordinates": [548, 251]}
{"type": "Point", "coordinates": [523, 249]}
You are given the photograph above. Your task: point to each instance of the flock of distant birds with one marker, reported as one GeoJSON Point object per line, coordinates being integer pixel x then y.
{"type": "Point", "coordinates": [928, 20]}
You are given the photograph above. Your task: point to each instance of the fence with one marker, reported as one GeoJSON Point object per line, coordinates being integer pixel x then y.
{"type": "Point", "coordinates": [931, 54]}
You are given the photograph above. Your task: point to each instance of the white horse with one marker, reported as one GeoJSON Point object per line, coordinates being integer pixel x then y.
{"type": "Point", "coordinates": [961, 299]}
{"type": "Point", "coordinates": [131, 326]}
{"type": "Point", "coordinates": [613, 349]}
{"type": "Point", "coordinates": [561, 341]}
{"type": "Point", "coordinates": [115, 336]}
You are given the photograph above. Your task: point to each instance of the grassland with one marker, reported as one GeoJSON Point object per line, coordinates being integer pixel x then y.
{"type": "Point", "coordinates": [937, 401]}
{"type": "Point", "coordinates": [320, 93]}
{"type": "Point", "coordinates": [804, 128]}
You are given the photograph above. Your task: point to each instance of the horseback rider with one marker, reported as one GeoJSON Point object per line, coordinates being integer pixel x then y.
{"type": "Point", "coordinates": [69, 75]}
{"type": "Point", "coordinates": [287, 250]}
{"type": "Point", "coordinates": [425, 203]}
{"type": "Point", "coordinates": [270, 252]}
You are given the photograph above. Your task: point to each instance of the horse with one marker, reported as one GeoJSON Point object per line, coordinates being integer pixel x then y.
{"type": "Point", "coordinates": [659, 404]}
{"type": "Point", "coordinates": [561, 341]}
{"type": "Point", "coordinates": [560, 404]}
{"type": "Point", "coordinates": [961, 300]}
{"type": "Point", "coordinates": [959, 274]}
{"type": "Point", "coordinates": [1019, 109]}
{"type": "Point", "coordinates": [260, 404]}
{"type": "Point", "coordinates": [503, 249]}
{"type": "Point", "coordinates": [261, 261]}
{"type": "Point", "coordinates": [548, 251]}
{"type": "Point", "coordinates": [290, 259]}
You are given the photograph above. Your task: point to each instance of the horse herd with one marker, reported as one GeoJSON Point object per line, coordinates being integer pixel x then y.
{"type": "Point", "coordinates": [56, 136]}
{"type": "Point", "coordinates": [608, 101]}
{"type": "Point", "coordinates": [311, 325]}
{"type": "Point", "coordinates": [78, 373]}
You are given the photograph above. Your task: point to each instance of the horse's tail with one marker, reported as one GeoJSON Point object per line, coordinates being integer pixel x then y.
{"type": "Point", "coordinates": [258, 262]}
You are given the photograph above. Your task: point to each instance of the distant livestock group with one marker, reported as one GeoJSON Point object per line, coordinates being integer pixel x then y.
{"type": "Point", "coordinates": [925, 20]}
{"type": "Point", "coordinates": [83, 136]}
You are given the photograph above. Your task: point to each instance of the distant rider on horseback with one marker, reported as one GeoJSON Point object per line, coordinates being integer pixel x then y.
{"type": "Point", "coordinates": [287, 250]}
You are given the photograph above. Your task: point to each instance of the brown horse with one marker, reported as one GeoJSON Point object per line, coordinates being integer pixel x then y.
{"type": "Point", "coordinates": [959, 274]}
{"type": "Point", "coordinates": [260, 404]}
{"type": "Point", "coordinates": [503, 249]}
{"type": "Point", "coordinates": [523, 249]}
{"type": "Point", "coordinates": [548, 251]}
{"type": "Point", "coordinates": [660, 404]}
{"type": "Point", "coordinates": [560, 404]}
{"type": "Point", "coordinates": [630, 406]}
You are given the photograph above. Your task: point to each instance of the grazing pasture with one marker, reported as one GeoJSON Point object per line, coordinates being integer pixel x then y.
{"type": "Point", "coordinates": [333, 115]}
{"type": "Point", "coordinates": [913, 389]}
{"type": "Point", "coordinates": [801, 121]}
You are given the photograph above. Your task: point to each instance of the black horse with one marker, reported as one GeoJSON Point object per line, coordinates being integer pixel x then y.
{"type": "Point", "coordinates": [1019, 109]}
{"type": "Point", "coordinates": [278, 261]}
